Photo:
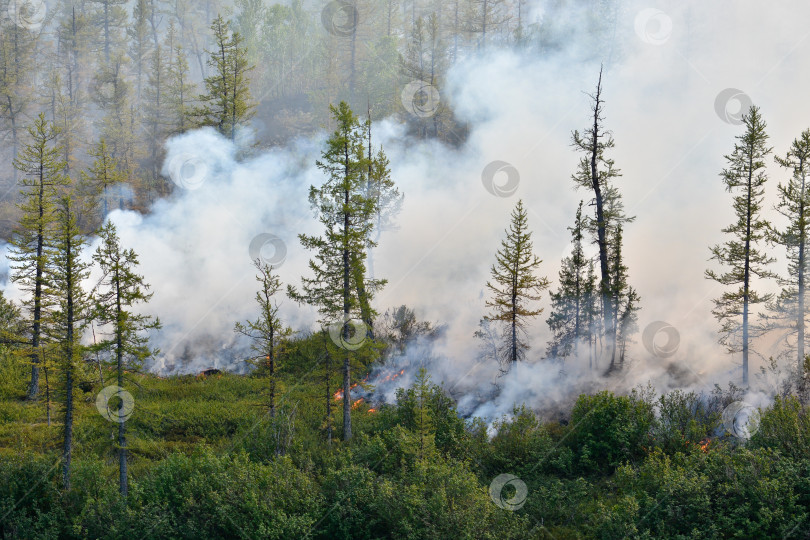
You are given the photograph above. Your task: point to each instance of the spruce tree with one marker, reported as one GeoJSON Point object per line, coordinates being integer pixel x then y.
{"type": "Point", "coordinates": [110, 18]}
{"type": "Point", "coordinates": [227, 102]}
{"type": "Point", "coordinates": [42, 168]}
{"type": "Point", "coordinates": [139, 43]}
{"type": "Point", "coordinates": [17, 76]}
{"type": "Point", "coordinates": [181, 92]}
{"type": "Point", "coordinates": [268, 333]}
{"type": "Point", "coordinates": [596, 173]}
{"type": "Point", "coordinates": [624, 297]}
{"type": "Point", "coordinates": [514, 285]}
{"type": "Point", "coordinates": [342, 206]}
{"type": "Point", "coordinates": [740, 255]}
{"type": "Point", "coordinates": [566, 320]}
{"type": "Point", "coordinates": [119, 290]}
{"type": "Point", "coordinates": [70, 315]}
{"type": "Point", "coordinates": [789, 308]}
{"type": "Point", "coordinates": [102, 175]}
{"type": "Point", "coordinates": [156, 114]}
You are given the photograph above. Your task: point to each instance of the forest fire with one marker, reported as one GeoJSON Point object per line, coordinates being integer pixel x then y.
{"type": "Point", "coordinates": [377, 380]}
{"type": "Point", "coordinates": [704, 444]}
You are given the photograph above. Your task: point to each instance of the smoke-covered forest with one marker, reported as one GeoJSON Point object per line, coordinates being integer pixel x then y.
{"type": "Point", "coordinates": [404, 269]}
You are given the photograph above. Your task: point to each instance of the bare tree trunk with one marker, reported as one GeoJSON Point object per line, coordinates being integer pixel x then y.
{"type": "Point", "coordinates": [800, 318]}
{"type": "Point", "coordinates": [601, 230]}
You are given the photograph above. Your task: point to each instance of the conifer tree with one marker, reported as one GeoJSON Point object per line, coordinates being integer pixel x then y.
{"type": "Point", "coordinates": [42, 168]}
{"type": "Point", "coordinates": [102, 175]}
{"type": "Point", "coordinates": [181, 91]}
{"type": "Point", "coordinates": [740, 255]}
{"type": "Point", "coordinates": [514, 286]}
{"type": "Point", "coordinates": [156, 112]}
{"type": "Point", "coordinates": [120, 289]}
{"type": "Point", "coordinates": [789, 308]}
{"type": "Point", "coordinates": [567, 321]}
{"type": "Point", "coordinates": [17, 71]}
{"type": "Point", "coordinates": [342, 206]}
{"type": "Point", "coordinates": [139, 43]}
{"type": "Point", "coordinates": [267, 332]}
{"type": "Point", "coordinates": [66, 274]}
{"type": "Point", "coordinates": [591, 313]}
{"type": "Point", "coordinates": [596, 173]}
{"type": "Point", "coordinates": [110, 19]}
{"type": "Point", "coordinates": [227, 102]}
{"type": "Point", "coordinates": [415, 404]}
{"type": "Point", "coordinates": [119, 124]}
{"type": "Point", "coordinates": [624, 297]}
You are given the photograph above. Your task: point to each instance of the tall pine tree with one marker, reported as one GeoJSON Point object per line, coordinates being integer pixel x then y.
{"type": "Point", "coordinates": [789, 308]}
{"type": "Point", "coordinates": [42, 168]}
{"type": "Point", "coordinates": [740, 254]}
{"type": "Point", "coordinates": [120, 289]}
{"type": "Point", "coordinates": [514, 286]}
{"type": "Point", "coordinates": [342, 205]}
{"type": "Point", "coordinates": [227, 102]}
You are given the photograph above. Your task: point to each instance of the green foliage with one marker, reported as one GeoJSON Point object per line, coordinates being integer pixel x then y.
{"type": "Point", "coordinates": [742, 255]}
{"type": "Point", "coordinates": [609, 430]}
{"type": "Point", "coordinates": [514, 286]}
{"type": "Point", "coordinates": [684, 419]}
{"type": "Point", "coordinates": [227, 103]}
{"type": "Point", "coordinates": [785, 426]}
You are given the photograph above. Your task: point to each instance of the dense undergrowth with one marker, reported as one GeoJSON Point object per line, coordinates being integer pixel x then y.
{"type": "Point", "coordinates": [208, 461]}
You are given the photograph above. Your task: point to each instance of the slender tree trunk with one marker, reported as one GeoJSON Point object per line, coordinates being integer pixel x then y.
{"type": "Point", "coordinates": [347, 402]}
{"type": "Point", "coordinates": [747, 271]}
{"type": "Point", "coordinates": [801, 315]}
{"type": "Point", "coordinates": [67, 450]}
{"type": "Point", "coordinates": [33, 388]}
{"type": "Point", "coordinates": [123, 484]}
{"type": "Point", "coordinates": [47, 393]}
{"type": "Point", "coordinates": [106, 32]}
{"type": "Point", "coordinates": [328, 395]}
{"type": "Point", "coordinates": [601, 231]}
{"type": "Point", "coordinates": [271, 365]}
